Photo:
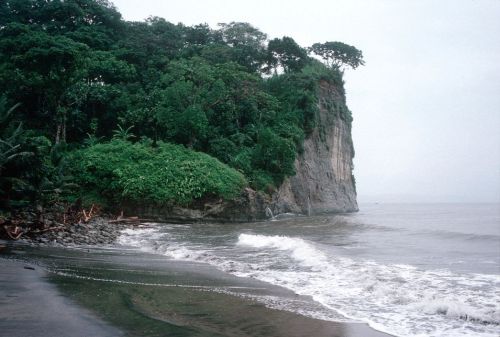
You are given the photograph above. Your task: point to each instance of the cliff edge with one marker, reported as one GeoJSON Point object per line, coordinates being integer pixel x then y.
{"type": "Point", "coordinates": [323, 180]}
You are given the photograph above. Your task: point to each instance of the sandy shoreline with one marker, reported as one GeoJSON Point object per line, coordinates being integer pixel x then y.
{"type": "Point", "coordinates": [112, 293]}
{"type": "Point", "coordinates": [31, 306]}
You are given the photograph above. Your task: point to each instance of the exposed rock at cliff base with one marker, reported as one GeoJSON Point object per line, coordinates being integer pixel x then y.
{"type": "Point", "coordinates": [323, 182]}
{"type": "Point", "coordinates": [249, 206]}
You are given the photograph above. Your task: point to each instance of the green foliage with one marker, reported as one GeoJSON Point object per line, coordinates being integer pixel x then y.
{"type": "Point", "coordinates": [82, 74]}
{"type": "Point", "coordinates": [120, 133]}
{"type": "Point", "coordinates": [298, 92]}
{"type": "Point", "coordinates": [167, 174]}
{"type": "Point", "coordinates": [338, 54]}
{"type": "Point", "coordinates": [274, 154]}
{"type": "Point", "coordinates": [263, 180]}
{"type": "Point", "coordinates": [30, 167]}
{"type": "Point", "coordinates": [286, 53]}
{"type": "Point", "coordinates": [247, 43]}
{"type": "Point", "coordinates": [12, 152]}
{"type": "Point", "coordinates": [224, 149]}
{"type": "Point", "coordinates": [56, 185]}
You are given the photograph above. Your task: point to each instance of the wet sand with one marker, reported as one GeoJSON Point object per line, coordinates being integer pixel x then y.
{"type": "Point", "coordinates": [95, 292]}
{"type": "Point", "coordinates": [31, 306]}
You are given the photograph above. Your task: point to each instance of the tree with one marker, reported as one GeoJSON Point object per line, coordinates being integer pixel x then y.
{"type": "Point", "coordinates": [22, 159]}
{"type": "Point", "coordinates": [338, 55]}
{"type": "Point", "coordinates": [42, 68]}
{"type": "Point", "coordinates": [199, 101]}
{"type": "Point", "coordinates": [150, 46]}
{"type": "Point", "coordinates": [200, 35]}
{"type": "Point", "coordinates": [96, 23]}
{"type": "Point", "coordinates": [238, 34]}
{"type": "Point", "coordinates": [274, 154]}
{"type": "Point", "coordinates": [286, 53]}
{"type": "Point", "coordinates": [10, 147]}
{"type": "Point", "coordinates": [82, 73]}
{"type": "Point", "coordinates": [247, 43]}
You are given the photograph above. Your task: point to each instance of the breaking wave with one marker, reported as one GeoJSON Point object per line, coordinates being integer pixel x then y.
{"type": "Point", "coordinates": [398, 299]}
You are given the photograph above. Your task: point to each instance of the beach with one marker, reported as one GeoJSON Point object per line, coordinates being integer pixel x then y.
{"type": "Point", "coordinates": [108, 292]}
{"type": "Point", "coordinates": [387, 270]}
{"type": "Point", "coordinates": [32, 306]}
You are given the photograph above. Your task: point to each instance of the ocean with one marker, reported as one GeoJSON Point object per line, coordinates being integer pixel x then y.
{"type": "Point", "coordinates": [404, 269]}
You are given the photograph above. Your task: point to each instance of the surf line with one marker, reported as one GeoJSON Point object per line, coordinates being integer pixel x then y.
{"type": "Point", "coordinates": [166, 285]}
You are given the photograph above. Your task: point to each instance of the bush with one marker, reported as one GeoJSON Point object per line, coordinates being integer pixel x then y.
{"type": "Point", "coordinates": [263, 181]}
{"type": "Point", "coordinates": [274, 154]}
{"type": "Point", "coordinates": [122, 171]}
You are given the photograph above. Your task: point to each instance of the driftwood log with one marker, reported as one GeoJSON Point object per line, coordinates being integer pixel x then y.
{"type": "Point", "coordinates": [86, 216]}
{"type": "Point", "coordinates": [13, 231]}
{"type": "Point", "coordinates": [131, 220]}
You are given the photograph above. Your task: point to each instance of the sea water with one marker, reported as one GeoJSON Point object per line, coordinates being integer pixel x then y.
{"type": "Point", "coordinates": [405, 269]}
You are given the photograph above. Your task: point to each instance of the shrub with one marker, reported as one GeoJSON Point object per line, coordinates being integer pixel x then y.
{"type": "Point", "coordinates": [275, 155]}
{"type": "Point", "coordinates": [168, 173]}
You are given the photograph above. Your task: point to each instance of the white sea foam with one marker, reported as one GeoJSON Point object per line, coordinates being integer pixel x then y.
{"type": "Point", "coordinates": [153, 240]}
{"type": "Point", "coordinates": [300, 250]}
{"type": "Point", "coordinates": [142, 238]}
{"type": "Point", "coordinates": [398, 299]}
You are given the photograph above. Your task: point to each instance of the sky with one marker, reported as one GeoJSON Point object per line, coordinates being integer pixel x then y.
{"type": "Point", "coordinates": [426, 105]}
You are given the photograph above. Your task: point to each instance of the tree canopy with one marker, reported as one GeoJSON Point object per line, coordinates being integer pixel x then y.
{"type": "Point", "coordinates": [80, 76]}
{"type": "Point", "coordinates": [338, 54]}
{"type": "Point", "coordinates": [286, 53]}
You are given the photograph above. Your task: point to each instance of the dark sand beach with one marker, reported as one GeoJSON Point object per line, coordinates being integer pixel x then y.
{"type": "Point", "coordinates": [32, 306]}
{"type": "Point", "coordinates": [107, 292]}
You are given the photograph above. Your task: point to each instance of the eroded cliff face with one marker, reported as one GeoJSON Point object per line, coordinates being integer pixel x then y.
{"type": "Point", "coordinates": [323, 181]}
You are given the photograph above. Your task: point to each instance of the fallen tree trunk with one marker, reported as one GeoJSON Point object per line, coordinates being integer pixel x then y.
{"type": "Point", "coordinates": [14, 232]}
{"type": "Point", "coordinates": [129, 220]}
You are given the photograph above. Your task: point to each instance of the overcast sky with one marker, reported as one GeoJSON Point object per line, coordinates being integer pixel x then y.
{"type": "Point", "coordinates": [426, 106]}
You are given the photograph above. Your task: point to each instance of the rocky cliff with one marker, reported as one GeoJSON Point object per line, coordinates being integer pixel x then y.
{"type": "Point", "coordinates": [323, 181]}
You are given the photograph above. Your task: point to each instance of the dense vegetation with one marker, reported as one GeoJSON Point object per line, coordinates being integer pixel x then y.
{"type": "Point", "coordinates": [138, 172]}
{"type": "Point", "coordinates": [92, 104]}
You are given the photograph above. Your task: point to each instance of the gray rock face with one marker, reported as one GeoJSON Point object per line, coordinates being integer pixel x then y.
{"type": "Point", "coordinates": [249, 206]}
{"type": "Point", "coordinates": [323, 181]}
